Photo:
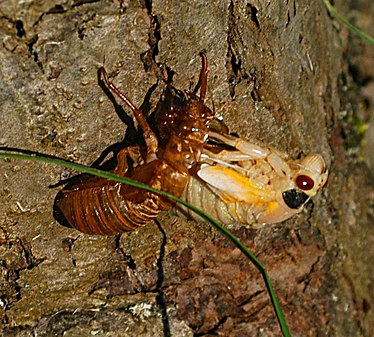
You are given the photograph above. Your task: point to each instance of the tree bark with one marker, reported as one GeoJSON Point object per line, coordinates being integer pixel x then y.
{"type": "Point", "coordinates": [278, 73]}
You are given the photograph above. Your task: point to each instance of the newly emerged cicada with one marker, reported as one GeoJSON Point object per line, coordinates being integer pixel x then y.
{"type": "Point", "coordinates": [190, 154]}
{"type": "Point", "coordinates": [253, 185]}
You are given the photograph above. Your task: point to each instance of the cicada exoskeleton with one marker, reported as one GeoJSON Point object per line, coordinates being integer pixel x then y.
{"type": "Point", "coordinates": [172, 155]}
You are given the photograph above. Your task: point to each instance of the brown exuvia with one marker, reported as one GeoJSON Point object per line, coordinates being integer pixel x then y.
{"type": "Point", "coordinates": [101, 206]}
{"type": "Point", "coordinates": [192, 156]}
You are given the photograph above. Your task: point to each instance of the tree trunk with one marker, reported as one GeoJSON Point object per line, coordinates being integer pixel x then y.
{"type": "Point", "coordinates": [279, 73]}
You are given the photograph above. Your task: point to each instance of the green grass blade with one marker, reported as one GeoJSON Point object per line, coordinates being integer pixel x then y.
{"type": "Point", "coordinates": [28, 155]}
{"type": "Point", "coordinates": [351, 27]}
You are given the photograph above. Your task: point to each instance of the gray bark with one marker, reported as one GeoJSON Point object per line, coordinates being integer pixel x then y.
{"type": "Point", "coordinates": [277, 73]}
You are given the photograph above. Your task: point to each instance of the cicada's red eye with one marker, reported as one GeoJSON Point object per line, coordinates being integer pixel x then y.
{"type": "Point", "coordinates": [305, 183]}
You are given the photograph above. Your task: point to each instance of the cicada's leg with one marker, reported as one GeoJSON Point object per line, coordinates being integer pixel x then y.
{"type": "Point", "coordinates": [202, 84]}
{"type": "Point", "coordinates": [279, 165]}
{"type": "Point", "coordinates": [132, 152]}
{"type": "Point", "coordinates": [252, 151]}
{"type": "Point", "coordinates": [149, 136]}
{"type": "Point", "coordinates": [226, 156]}
{"type": "Point", "coordinates": [248, 151]}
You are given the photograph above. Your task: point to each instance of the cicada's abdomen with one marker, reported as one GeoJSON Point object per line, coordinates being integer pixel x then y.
{"type": "Point", "coordinates": [102, 210]}
{"type": "Point", "coordinates": [100, 206]}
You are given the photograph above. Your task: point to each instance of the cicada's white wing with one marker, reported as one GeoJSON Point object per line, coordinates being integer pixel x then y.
{"type": "Point", "coordinates": [232, 186]}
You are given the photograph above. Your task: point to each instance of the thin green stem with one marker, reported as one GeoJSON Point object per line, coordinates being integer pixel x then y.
{"type": "Point", "coordinates": [351, 27]}
{"type": "Point", "coordinates": [28, 155]}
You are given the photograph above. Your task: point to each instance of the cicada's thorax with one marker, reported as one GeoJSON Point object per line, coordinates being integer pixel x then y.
{"type": "Point", "coordinates": [179, 112]}
{"type": "Point", "coordinates": [180, 120]}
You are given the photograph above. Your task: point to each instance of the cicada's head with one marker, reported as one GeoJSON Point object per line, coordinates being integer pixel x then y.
{"type": "Point", "coordinates": [293, 191]}
{"type": "Point", "coordinates": [309, 175]}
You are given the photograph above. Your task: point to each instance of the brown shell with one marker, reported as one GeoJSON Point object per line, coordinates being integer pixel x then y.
{"type": "Point", "coordinates": [99, 206]}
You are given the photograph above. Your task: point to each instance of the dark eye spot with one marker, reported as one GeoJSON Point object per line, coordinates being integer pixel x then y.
{"type": "Point", "coordinates": [305, 183]}
{"type": "Point", "coordinates": [294, 199]}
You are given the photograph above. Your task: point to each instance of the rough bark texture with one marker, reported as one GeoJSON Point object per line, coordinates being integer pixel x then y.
{"type": "Point", "coordinates": [278, 72]}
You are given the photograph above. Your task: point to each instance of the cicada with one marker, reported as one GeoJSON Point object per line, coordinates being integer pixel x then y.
{"type": "Point", "coordinates": [190, 154]}
{"type": "Point", "coordinates": [253, 184]}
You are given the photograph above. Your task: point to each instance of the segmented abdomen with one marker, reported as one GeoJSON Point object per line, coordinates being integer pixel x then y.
{"type": "Point", "coordinates": [201, 196]}
{"type": "Point", "coordinates": [102, 210]}
{"type": "Point", "coordinates": [100, 206]}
